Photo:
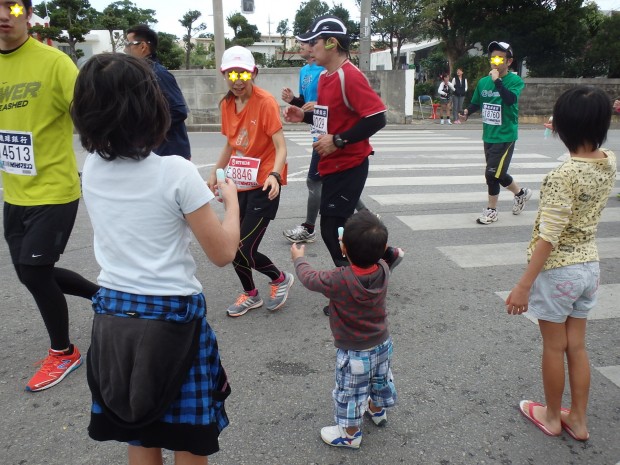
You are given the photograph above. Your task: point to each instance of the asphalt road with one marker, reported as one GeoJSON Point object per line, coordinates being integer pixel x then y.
{"type": "Point", "coordinates": [461, 365]}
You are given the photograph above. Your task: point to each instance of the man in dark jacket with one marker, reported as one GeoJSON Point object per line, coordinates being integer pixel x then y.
{"type": "Point", "coordinates": [142, 43]}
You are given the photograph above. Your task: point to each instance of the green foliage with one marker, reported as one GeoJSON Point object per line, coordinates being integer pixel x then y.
{"type": "Point", "coordinates": [396, 22]}
{"type": "Point", "coordinates": [169, 53]}
{"type": "Point", "coordinates": [307, 13]}
{"type": "Point", "coordinates": [605, 47]}
{"type": "Point", "coordinates": [122, 15]}
{"type": "Point", "coordinates": [198, 57]}
{"type": "Point", "coordinates": [425, 88]}
{"type": "Point", "coordinates": [76, 17]}
{"type": "Point", "coordinates": [187, 21]}
{"type": "Point", "coordinates": [245, 33]}
{"type": "Point", "coordinates": [310, 10]}
{"type": "Point", "coordinates": [435, 65]}
{"type": "Point", "coordinates": [555, 38]}
{"type": "Point", "coordinates": [283, 30]}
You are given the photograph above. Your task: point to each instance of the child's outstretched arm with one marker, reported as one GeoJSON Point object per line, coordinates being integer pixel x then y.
{"type": "Point", "coordinates": [517, 301]}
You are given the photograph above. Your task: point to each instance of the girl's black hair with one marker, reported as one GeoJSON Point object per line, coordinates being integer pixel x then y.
{"type": "Point", "coordinates": [118, 108]}
{"type": "Point", "coordinates": [581, 117]}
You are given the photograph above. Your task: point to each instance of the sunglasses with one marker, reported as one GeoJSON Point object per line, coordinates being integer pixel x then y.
{"type": "Point", "coordinates": [234, 75]}
{"type": "Point", "coordinates": [135, 42]}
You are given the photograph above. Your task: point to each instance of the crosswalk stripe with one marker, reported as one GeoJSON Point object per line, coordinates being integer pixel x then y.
{"type": "Point", "coordinates": [607, 297]}
{"type": "Point", "coordinates": [468, 220]}
{"type": "Point", "coordinates": [511, 253]}
{"type": "Point", "coordinates": [474, 144]}
{"type": "Point", "coordinates": [442, 180]}
{"type": "Point", "coordinates": [457, 166]}
{"type": "Point", "coordinates": [613, 374]}
{"type": "Point", "coordinates": [448, 198]}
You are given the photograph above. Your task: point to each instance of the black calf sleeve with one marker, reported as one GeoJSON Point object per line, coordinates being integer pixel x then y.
{"type": "Point", "coordinates": [329, 233]}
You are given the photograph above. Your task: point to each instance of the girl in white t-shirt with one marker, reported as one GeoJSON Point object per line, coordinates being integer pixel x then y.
{"type": "Point", "coordinates": [165, 388]}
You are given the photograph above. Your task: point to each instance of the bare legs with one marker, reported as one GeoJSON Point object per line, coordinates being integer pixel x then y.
{"type": "Point", "coordinates": [559, 339]}
{"type": "Point", "coordinates": [152, 456]}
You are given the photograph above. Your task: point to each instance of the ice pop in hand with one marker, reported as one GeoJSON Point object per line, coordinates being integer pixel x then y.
{"type": "Point", "coordinates": [221, 176]}
{"type": "Point", "coordinates": [340, 232]}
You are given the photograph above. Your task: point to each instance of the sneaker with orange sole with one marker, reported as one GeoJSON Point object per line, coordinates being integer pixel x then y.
{"type": "Point", "coordinates": [54, 368]}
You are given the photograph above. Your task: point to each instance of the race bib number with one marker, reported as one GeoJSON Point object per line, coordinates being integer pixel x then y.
{"type": "Point", "coordinates": [16, 153]}
{"type": "Point", "coordinates": [319, 121]}
{"type": "Point", "coordinates": [492, 114]}
{"type": "Point", "coordinates": [243, 171]}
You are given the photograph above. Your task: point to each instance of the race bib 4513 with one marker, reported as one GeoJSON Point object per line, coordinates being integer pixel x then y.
{"type": "Point", "coordinates": [16, 153]}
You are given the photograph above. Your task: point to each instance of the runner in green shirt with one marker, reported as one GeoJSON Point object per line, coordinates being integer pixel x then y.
{"type": "Point", "coordinates": [497, 96]}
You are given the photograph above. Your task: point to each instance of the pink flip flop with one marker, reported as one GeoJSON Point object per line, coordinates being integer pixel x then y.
{"type": "Point", "coordinates": [570, 432]}
{"type": "Point", "coordinates": [529, 414]}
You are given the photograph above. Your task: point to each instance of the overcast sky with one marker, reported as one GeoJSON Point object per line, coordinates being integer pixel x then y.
{"type": "Point", "coordinates": [265, 18]}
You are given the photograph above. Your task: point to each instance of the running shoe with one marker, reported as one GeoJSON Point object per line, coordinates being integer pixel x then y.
{"type": "Point", "coordinates": [54, 368]}
{"type": "Point", "coordinates": [519, 203]}
{"type": "Point", "coordinates": [378, 418]}
{"type": "Point", "coordinates": [489, 215]}
{"type": "Point", "coordinates": [279, 292]}
{"type": "Point", "coordinates": [337, 436]}
{"type": "Point", "coordinates": [244, 303]}
{"type": "Point", "coordinates": [299, 234]}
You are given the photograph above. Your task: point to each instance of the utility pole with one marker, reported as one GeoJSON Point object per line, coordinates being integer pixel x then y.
{"type": "Point", "coordinates": [365, 35]}
{"type": "Point", "coordinates": [218, 37]}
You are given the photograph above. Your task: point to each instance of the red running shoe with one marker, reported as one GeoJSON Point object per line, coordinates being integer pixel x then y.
{"type": "Point", "coordinates": [54, 368]}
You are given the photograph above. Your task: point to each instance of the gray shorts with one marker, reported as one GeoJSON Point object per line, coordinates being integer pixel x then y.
{"type": "Point", "coordinates": [566, 291]}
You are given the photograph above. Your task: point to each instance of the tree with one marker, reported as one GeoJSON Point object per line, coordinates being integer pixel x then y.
{"type": "Point", "coordinates": [187, 22]}
{"type": "Point", "coordinates": [283, 30]}
{"type": "Point", "coordinates": [169, 53]}
{"type": "Point", "coordinates": [122, 15]}
{"type": "Point", "coordinates": [199, 56]}
{"type": "Point", "coordinates": [396, 22]}
{"type": "Point", "coordinates": [605, 46]}
{"type": "Point", "coordinates": [307, 13]}
{"type": "Point", "coordinates": [312, 9]}
{"type": "Point", "coordinates": [75, 17]}
{"type": "Point", "coordinates": [245, 33]}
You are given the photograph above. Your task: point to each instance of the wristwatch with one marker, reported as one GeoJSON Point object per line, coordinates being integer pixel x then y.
{"type": "Point", "coordinates": [277, 176]}
{"type": "Point", "coordinates": [338, 142]}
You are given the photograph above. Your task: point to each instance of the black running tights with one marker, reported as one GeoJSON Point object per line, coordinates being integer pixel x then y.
{"type": "Point", "coordinates": [48, 285]}
{"type": "Point", "coordinates": [248, 257]}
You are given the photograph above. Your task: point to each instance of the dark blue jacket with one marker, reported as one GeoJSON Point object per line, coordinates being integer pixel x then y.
{"type": "Point", "coordinates": [177, 141]}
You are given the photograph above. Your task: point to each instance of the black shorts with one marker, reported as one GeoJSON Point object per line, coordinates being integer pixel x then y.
{"type": "Point", "coordinates": [341, 191]}
{"type": "Point", "coordinates": [498, 157]}
{"type": "Point", "coordinates": [256, 202]}
{"type": "Point", "coordinates": [38, 235]}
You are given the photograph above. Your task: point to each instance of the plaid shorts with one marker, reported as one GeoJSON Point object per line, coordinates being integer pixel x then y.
{"type": "Point", "coordinates": [195, 418]}
{"type": "Point", "coordinates": [361, 374]}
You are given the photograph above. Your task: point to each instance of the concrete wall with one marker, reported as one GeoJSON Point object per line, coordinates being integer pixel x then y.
{"type": "Point", "coordinates": [202, 92]}
{"type": "Point", "coordinates": [539, 96]}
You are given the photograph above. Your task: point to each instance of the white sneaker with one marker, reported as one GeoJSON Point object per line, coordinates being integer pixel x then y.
{"type": "Point", "coordinates": [488, 216]}
{"type": "Point", "coordinates": [519, 203]}
{"type": "Point", "coordinates": [378, 418]}
{"type": "Point", "coordinates": [449, 122]}
{"type": "Point", "coordinates": [299, 234]}
{"type": "Point", "coordinates": [441, 122]}
{"type": "Point", "coordinates": [337, 436]}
